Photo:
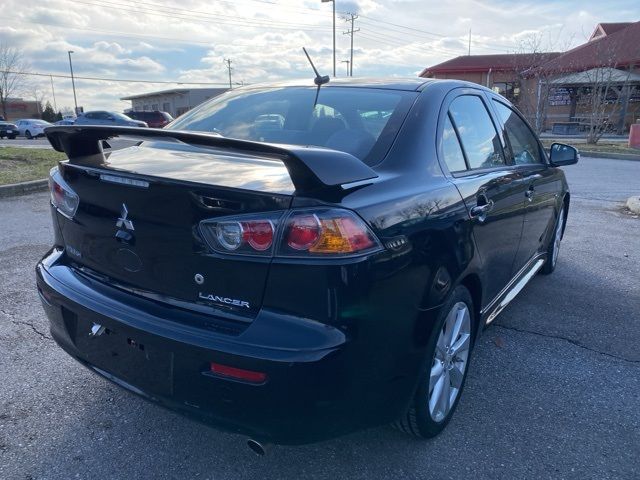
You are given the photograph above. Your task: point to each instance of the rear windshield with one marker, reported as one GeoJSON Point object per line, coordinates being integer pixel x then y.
{"type": "Point", "coordinates": [119, 116]}
{"type": "Point", "coordinates": [360, 121]}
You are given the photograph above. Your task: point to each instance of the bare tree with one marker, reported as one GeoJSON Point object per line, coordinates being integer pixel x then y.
{"type": "Point", "coordinates": [12, 78]}
{"type": "Point", "coordinates": [39, 97]}
{"type": "Point", "coordinates": [532, 81]}
{"type": "Point", "coordinates": [604, 91]}
{"type": "Point", "coordinates": [595, 98]}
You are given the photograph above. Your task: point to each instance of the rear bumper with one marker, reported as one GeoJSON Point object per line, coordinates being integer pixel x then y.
{"type": "Point", "coordinates": [315, 385]}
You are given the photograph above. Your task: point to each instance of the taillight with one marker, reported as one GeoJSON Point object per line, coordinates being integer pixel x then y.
{"type": "Point", "coordinates": [257, 234]}
{"type": "Point", "coordinates": [244, 234]}
{"type": "Point", "coordinates": [322, 232]}
{"type": "Point", "coordinates": [62, 196]}
{"type": "Point", "coordinates": [326, 232]}
{"type": "Point", "coordinates": [304, 232]}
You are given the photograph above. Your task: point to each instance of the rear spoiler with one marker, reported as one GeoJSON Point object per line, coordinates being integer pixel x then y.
{"type": "Point", "coordinates": [310, 168]}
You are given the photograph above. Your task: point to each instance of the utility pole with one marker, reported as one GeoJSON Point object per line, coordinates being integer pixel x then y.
{"type": "Point", "coordinates": [469, 42]}
{"type": "Point", "coordinates": [347, 62]}
{"type": "Point", "coordinates": [228, 62]}
{"type": "Point", "coordinates": [352, 18]}
{"type": "Point", "coordinates": [334, 34]}
{"type": "Point", "coordinates": [73, 83]}
{"type": "Point", "coordinates": [53, 92]}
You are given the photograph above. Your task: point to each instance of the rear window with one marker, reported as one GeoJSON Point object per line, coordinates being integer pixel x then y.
{"type": "Point", "coordinates": [157, 116]}
{"type": "Point", "coordinates": [359, 121]}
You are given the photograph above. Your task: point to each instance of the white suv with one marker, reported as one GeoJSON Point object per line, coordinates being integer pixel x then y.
{"type": "Point", "coordinates": [32, 128]}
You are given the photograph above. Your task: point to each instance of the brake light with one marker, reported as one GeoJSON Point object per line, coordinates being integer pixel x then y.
{"type": "Point", "coordinates": [321, 232]}
{"type": "Point", "coordinates": [258, 234]}
{"type": "Point", "coordinates": [304, 232]}
{"type": "Point", "coordinates": [62, 196]}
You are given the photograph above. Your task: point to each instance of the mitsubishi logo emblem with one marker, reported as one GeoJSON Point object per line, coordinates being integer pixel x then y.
{"type": "Point", "coordinates": [123, 221]}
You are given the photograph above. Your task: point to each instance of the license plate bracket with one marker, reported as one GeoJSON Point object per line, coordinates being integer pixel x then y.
{"type": "Point", "coordinates": [124, 356]}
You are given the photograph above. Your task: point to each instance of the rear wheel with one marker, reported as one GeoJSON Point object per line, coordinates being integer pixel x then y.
{"type": "Point", "coordinates": [554, 246]}
{"type": "Point", "coordinates": [445, 371]}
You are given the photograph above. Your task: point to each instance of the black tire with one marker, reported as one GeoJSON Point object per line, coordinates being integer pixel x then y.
{"type": "Point", "coordinates": [28, 135]}
{"type": "Point", "coordinates": [552, 260]}
{"type": "Point", "coordinates": [418, 421]}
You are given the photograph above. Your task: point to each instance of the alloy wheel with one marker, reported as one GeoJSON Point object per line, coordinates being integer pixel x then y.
{"type": "Point", "coordinates": [450, 361]}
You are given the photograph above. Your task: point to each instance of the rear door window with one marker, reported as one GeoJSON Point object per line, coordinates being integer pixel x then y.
{"type": "Point", "coordinates": [478, 135]}
{"type": "Point", "coordinates": [450, 148]}
{"type": "Point", "coordinates": [524, 145]}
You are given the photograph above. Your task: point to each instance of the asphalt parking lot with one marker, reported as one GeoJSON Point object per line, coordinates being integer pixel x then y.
{"type": "Point", "coordinates": [553, 391]}
{"type": "Point", "coordinates": [42, 142]}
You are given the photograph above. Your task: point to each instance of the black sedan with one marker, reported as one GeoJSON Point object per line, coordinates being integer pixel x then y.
{"type": "Point", "coordinates": [299, 278]}
{"type": "Point", "coordinates": [8, 130]}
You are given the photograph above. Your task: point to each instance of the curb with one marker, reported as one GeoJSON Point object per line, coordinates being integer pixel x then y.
{"type": "Point", "coordinates": [613, 156]}
{"type": "Point", "coordinates": [23, 188]}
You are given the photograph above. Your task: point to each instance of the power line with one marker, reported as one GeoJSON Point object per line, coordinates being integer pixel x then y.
{"type": "Point", "coordinates": [202, 17]}
{"type": "Point", "coordinates": [171, 12]}
{"type": "Point", "coordinates": [395, 42]}
{"type": "Point", "coordinates": [389, 32]}
{"type": "Point", "coordinates": [100, 79]}
{"type": "Point", "coordinates": [123, 34]}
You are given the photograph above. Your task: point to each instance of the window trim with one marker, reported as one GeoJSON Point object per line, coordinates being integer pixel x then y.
{"type": "Point", "coordinates": [444, 112]}
{"type": "Point", "coordinates": [543, 155]}
{"type": "Point", "coordinates": [457, 134]}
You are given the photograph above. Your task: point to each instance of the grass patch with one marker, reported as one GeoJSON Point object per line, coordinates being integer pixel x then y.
{"type": "Point", "coordinates": [602, 146]}
{"type": "Point", "coordinates": [24, 164]}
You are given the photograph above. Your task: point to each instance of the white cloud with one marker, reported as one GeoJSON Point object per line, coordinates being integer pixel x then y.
{"type": "Point", "coordinates": [187, 40]}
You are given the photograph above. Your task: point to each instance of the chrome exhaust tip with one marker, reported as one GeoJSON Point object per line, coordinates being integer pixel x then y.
{"type": "Point", "coordinates": [257, 447]}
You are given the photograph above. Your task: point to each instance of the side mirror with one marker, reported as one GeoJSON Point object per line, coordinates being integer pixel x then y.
{"type": "Point", "coordinates": [561, 155]}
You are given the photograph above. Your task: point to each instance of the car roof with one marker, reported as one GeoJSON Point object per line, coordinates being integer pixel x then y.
{"type": "Point", "coordinates": [390, 83]}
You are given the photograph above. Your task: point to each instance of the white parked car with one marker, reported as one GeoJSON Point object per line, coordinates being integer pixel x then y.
{"type": "Point", "coordinates": [32, 128]}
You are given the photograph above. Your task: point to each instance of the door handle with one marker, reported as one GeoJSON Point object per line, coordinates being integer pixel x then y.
{"type": "Point", "coordinates": [480, 211]}
{"type": "Point", "coordinates": [530, 193]}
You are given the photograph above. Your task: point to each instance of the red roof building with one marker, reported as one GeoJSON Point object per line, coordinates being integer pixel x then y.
{"type": "Point", "coordinates": [504, 62]}
{"type": "Point", "coordinates": [618, 46]}
{"type": "Point", "coordinates": [519, 77]}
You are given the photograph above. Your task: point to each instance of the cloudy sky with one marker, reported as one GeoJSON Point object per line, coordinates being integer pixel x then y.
{"type": "Point", "coordinates": [188, 40]}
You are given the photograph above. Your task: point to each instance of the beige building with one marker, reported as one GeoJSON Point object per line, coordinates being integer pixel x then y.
{"type": "Point", "coordinates": [175, 101]}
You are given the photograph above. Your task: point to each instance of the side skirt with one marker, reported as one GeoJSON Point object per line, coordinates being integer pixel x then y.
{"type": "Point", "coordinates": [514, 287]}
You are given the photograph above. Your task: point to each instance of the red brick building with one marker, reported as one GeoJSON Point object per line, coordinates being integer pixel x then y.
{"type": "Point", "coordinates": [546, 87]}
{"type": "Point", "coordinates": [18, 108]}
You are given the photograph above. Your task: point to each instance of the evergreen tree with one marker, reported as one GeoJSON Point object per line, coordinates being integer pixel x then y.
{"type": "Point", "coordinates": [49, 114]}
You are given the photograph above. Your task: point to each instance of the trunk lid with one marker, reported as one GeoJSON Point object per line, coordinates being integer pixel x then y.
{"type": "Point", "coordinates": [137, 222]}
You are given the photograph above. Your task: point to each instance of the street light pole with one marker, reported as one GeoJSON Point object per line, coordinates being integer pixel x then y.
{"type": "Point", "coordinates": [334, 33]}
{"type": "Point", "coordinates": [73, 83]}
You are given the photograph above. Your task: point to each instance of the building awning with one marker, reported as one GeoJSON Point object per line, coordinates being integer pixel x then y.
{"type": "Point", "coordinates": [604, 75]}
